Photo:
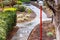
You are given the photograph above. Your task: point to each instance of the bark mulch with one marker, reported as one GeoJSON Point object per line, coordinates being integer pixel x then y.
{"type": "Point", "coordinates": [12, 33]}
{"type": "Point", "coordinates": [47, 26]}
{"type": "Point", "coordinates": [48, 11]}
{"type": "Point", "coordinates": [30, 18]}
{"type": "Point", "coordinates": [35, 4]}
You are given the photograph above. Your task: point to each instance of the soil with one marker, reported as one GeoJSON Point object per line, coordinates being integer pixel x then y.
{"type": "Point", "coordinates": [27, 18]}
{"type": "Point", "coordinates": [1, 9]}
{"type": "Point", "coordinates": [48, 11]}
{"type": "Point", "coordinates": [35, 4]}
{"type": "Point", "coordinates": [47, 26]}
{"type": "Point", "coordinates": [12, 33]}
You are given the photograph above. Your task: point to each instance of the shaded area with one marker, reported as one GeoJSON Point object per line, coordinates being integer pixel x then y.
{"type": "Point", "coordinates": [12, 33]}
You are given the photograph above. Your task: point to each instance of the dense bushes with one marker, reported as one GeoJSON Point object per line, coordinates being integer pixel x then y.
{"type": "Point", "coordinates": [20, 8]}
{"type": "Point", "coordinates": [13, 2]}
{"type": "Point", "coordinates": [19, 2]}
{"type": "Point", "coordinates": [3, 29]}
{"type": "Point", "coordinates": [7, 22]}
{"type": "Point", "coordinates": [25, 0]}
{"type": "Point", "coordinates": [5, 2]}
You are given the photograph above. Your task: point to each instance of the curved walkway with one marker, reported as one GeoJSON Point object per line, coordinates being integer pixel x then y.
{"type": "Point", "coordinates": [25, 29]}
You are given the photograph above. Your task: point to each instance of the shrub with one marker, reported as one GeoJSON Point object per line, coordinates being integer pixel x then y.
{"type": "Point", "coordinates": [1, 5]}
{"type": "Point", "coordinates": [6, 2]}
{"type": "Point", "coordinates": [19, 2]}
{"type": "Point", "coordinates": [7, 22]}
{"type": "Point", "coordinates": [3, 29]}
{"type": "Point", "coordinates": [29, 11]}
{"type": "Point", "coordinates": [25, 0]}
{"type": "Point", "coordinates": [9, 9]}
{"type": "Point", "coordinates": [20, 8]}
{"type": "Point", "coordinates": [16, 6]}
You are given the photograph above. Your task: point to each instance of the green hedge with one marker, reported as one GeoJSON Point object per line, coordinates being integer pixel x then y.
{"type": "Point", "coordinates": [3, 30]}
{"type": "Point", "coordinates": [24, 0]}
{"type": "Point", "coordinates": [19, 2]}
{"type": "Point", "coordinates": [7, 22]}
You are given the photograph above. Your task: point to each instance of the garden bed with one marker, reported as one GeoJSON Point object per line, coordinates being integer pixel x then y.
{"type": "Point", "coordinates": [48, 11]}
{"type": "Point", "coordinates": [25, 17]}
{"type": "Point", "coordinates": [12, 33]}
{"type": "Point", "coordinates": [47, 27]}
{"type": "Point", "coordinates": [11, 13]}
{"type": "Point", "coordinates": [35, 3]}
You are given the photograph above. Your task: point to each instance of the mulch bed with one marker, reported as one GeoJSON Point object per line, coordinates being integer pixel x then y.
{"type": "Point", "coordinates": [47, 26]}
{"type": "Point", "coordinates": [48, 12]}
{"type": "Point", "coordinates": [12, 33]}
{"type": "Point", "coordinates": [30, 18]}
{"type": "Point", "coordinates": [35, 4]}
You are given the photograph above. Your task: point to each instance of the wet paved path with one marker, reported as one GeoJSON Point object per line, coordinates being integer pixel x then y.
{"type": "Point", "coordinates": [26, 28]}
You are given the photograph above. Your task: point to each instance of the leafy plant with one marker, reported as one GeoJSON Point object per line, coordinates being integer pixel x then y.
{"type": "Point", "coordinates": [20, 8]}
{"type": "Point", "coordinates": [1, 4]}
{"type": "Point", "coordinates": [16, 6]}
{"type": "Point", "coordinates": [25, 0]}
{"type": "Point", "coordinates": [3, 28]}
{"type": "Point", "coordinates": [6, 2]}
{"type": "Point", "coordinates": [19, 2]}
{"type": "Point", "coordinates": [29, 11]}
{"type": "Point", "coordinates": [7, 22]}
{"type": "Point", "coordinates": [10, 9]}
